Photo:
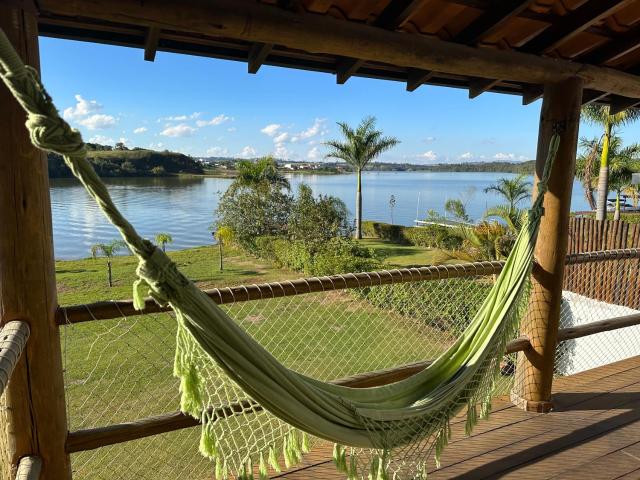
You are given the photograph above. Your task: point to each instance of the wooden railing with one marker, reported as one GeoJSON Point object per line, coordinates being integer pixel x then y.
{"type": "Point", "coordinates": [92, 438]}
{"type": "Point", "coordinates": [29, 468]}
{"type": "Point", "coordinates": [13, 340]}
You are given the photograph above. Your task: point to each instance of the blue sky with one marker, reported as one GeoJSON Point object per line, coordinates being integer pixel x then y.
{"type": "Point", "coordinates": [203, 107]}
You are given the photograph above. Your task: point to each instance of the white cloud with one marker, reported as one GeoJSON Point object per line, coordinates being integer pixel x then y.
{"type": "Point", "coordinates": [281, 151]}
{"type": "Point", "coordinates": [180, 118]}
{"type": "Point", "coordinates": [140, 130]}
{"type": "Point", "coordinates": [156, 145]}
{"type": "Point", "coordinates": [102, 140]}
{"type": "Point", "coordinates": [271, 129]}
{"type": "Point", "coordinates": [231, 129]}
{"type": "Point", "coordinates": [98, 121]}
{"type": "Point", "coordinates": [429, 155]}
{"type": "Point", "coordinates": [504, 156]}
{"type": "Point", "coordinates": [81, 109]}
{"type": "Point", "coordinates": [429, 139]}
{"type": "Point", "coordinates": [217, 120]}
{"type": "Point", "coordinates": [124, 140]}
{"type": "Point", "coordinates": [217, 151]}
{"type": "Point", "coordinates": [180, 130]}
{"type": "Point", "coordinates": [466, 156]}
{"type": "Point", "coordinates": [248, 151]}
{"type": "Point", "coordinates": [318, 128]}
{"type": "Point", "coordinates": [313, 154]}
{"type": "Point", "coordinates": [283, 137]}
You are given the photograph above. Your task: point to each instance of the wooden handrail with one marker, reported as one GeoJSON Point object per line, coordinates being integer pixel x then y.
{"type": "Point", "coordinates": [29, 468]}
{"type": "Point", "coordinates": [13, 339]}
{"type": "Point", "coordinates": [243, 293]}
{"type": "Point", "coordinates": [89, 439]}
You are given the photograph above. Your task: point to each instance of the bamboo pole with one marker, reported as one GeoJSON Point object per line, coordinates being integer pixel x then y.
{"type": "Point", "coordinates": [35, 396]}
{"type": "Point", "coordinates": [560, 113]}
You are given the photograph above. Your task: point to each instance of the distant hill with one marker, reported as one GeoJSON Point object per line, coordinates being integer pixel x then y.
{"type": "Point", "coordinates": [341, 167]}
{"type": "Point", "coordinates": [138, 162]}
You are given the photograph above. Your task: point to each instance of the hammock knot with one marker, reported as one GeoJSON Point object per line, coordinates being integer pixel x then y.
{"type": "Point", "coordinates": [161, 275]}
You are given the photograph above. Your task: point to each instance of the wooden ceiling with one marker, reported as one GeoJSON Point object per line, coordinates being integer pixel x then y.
{"type": "Point", "coordinates": [604, 33]}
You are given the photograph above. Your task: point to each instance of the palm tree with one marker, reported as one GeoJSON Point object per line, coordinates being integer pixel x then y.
{"type": "Point", "coordinates": [599, 115]}
{"type": "Point", "coordinates": [623, 162]}
{"type": "Point", "coordinates": [162, 239]}
{"type": "Point", "coordinates": [514, 190]}
{"type": "Point", "coordinates": [513, 217]}
{"type": "Point", "coordinates": [586, 165]}
{"type": "Point", "coordinates": [360, 147]}
{"type": "Point", "coordinates": [259, 175]}
{"type": "Point", "coordinates": [108, 250]}
{"type": "Point", "coordinates": [224, 236]}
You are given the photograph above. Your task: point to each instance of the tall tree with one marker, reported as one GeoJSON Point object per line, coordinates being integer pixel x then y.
{"type": "Point", "coordinates": [107, 250]}
{"type": "Point", "coordinates": [258, 175]}
{"type": "Point", "coordinates": [514, 190]}
{"type": "Point", "coordinates": [586, 166]}
{"type": "Point", "coordinates": [599, 115]}
{"type": "Point", "coordinates": [360, 146]}
{"type": "Point", "coordinates": [162, 239]}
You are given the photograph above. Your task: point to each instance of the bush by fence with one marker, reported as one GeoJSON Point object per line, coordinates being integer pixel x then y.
{"type": "Point", "coordinates": [431, 236]}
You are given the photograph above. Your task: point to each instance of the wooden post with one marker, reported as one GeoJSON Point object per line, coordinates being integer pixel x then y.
{"type": "Point", "coordinates": [560, 112]}
{"type": "Point", "coordinates": [35, 416]}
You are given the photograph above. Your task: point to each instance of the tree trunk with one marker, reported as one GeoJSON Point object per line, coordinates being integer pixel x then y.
{"type": "Point", "coordinates": [358, 234]}
{"type": "Point", "coordinates": [616, 214]}
{"type": "Point", "coordinates": [110, 277]}
{"type": "Point", "coordinates": [603, 177]}
{"type": "Point", "coordinates": [164, 247]}
{"type": "Point", "coordinates": [220, 252]}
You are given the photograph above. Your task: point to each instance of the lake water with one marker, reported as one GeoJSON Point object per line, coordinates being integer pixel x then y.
{"type": "Point", "coordinates": [184, 207]}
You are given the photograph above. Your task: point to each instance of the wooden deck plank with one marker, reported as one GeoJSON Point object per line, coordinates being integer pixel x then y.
{"type": "Point", "coordinates": [593, 433]}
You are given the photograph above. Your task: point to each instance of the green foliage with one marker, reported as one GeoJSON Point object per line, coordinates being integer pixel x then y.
{"type": "Point", "coordinates": [162, 239]}
{"type": "Point", "coordinates": [258, 175]}
{"type": "Point", "coordinates": [514, 190]}
{"type": "Point", "coordinates": [431, 236]}
{"type": "Point", "coordinates": [317, 220]}
{"type": "Point", "coordinates": [129, 163]}
{"type": "Point", "coordinates": [464, 296]}
{"type": "Point", "coordinates": [253, 213]}
{"type": "Point", "coordinates": [108, 250]}
{"type": "Point", "coordinates": [456, 208]}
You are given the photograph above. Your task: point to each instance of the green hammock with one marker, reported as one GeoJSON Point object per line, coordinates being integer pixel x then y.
{"type": "Point", "coordinates": [385, 419]}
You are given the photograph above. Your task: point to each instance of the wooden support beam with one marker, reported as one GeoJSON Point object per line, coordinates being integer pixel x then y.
{"type": "Point", "coordinates": [494, 18]}
{"type": "Point", "coordinates": [614, 49]}
{"type": "Point", "coordinates": [92, 438]}
{"type": "Point", "coordinates": [151, 43]}
{"type": "Point", "coordinates": [573, 23]}
{"type": "Point", "coordinates": [321, 34]}
{"type": "Point", "coordinates": [35, 413]}
{"type": "Point", "coordinates": [531, 94]}
{"type": "Point", "coordinates": [619, 104]}
{"type": "Point", "coordinates": [13, 340]}
{"type": "Point", "coordinates": [345, 68]}
{"type": "Point", "coordinates": [560, 113]}
{"type": "Point", "coordinates": [478, 86]}
{"type": "Point", "coordinates": [257, 55]}
{"type": "Point", "coordinates": [417, 77]}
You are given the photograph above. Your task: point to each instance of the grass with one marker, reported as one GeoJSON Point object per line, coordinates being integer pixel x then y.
{"type": "Point", "coordinates": [121, 370]}
{"type": "Point", "coordinates": [397, 255]}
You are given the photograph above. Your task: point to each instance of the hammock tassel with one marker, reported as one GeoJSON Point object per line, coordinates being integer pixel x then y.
{"type": "Point", "coordinates": [353, 466]}
{"type": "Point", "coordinates": [208, 442]}
{"type": "Point", "coordinates": [221, 470]}
{"type": "Point", "coordinates": [273, 459]}
{"type": "Point", "coordinates": [262, 469]}
{"type": "Point", "coordinates": [138, 294]}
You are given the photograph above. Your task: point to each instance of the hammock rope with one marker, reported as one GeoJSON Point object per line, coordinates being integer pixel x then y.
{"type": "Point", "coordinates": [384, 420]}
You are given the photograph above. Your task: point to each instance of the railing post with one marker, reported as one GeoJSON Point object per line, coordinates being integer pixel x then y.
{"type": "Point", "coordinates": [560, 112]}
{"type": "Point", "coordinates": [35, 413]}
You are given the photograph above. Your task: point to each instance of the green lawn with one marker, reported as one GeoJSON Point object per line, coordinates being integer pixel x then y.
{"type": "Point", "coordinates": [121, 370]}
{"type": "Point", "coordinates": [397, 255]}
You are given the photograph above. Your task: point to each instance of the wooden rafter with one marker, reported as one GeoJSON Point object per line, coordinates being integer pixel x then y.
{"type": "Point", "coordinates": [590, 96]}
{"type": "Point", "coordinates": [491, 20]}
{"type": "Point", "coordinates": [417, 77]}
{"type": "Point", "coordinates": [619, 104]}
{"type": "Point", "coordinates": [151, 43]}
{"type": "Point", "coordinates": [573, 23]}
{"type": "Point", "coordinates": [393, 15]}
{"type": "Point", "coordinates": [614, 49]}
{"type": "Point", "coordinates": [480, 85]}
{"type": "Point", "coordinates": [532, 93]}
{"type": "Point", "coordinates": [257, 55]}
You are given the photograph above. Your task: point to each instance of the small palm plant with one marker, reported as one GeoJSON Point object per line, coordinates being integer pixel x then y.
{"type": "Point", "coordinates": [107, 250]}
{"type": "Point", "coordinates": [162, 239]}
{"type": "Point", "coordinates": [224, 236]}
{"type": "Point", "coordinates": [361, 146]}
{"type": "Point", "coordinates": [514, 190]}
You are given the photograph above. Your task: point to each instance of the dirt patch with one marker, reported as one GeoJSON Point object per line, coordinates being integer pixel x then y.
{"type": "Point", "coordinates": [255, 319]}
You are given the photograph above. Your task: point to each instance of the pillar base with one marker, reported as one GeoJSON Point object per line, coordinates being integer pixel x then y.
{"type": "Point", "coordinates": [536, 406]}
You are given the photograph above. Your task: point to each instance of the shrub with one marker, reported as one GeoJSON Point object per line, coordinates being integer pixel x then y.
{"type": "Point", "coordinates": [317, 220]}
{"type": "Point", "coordinates": [386, 231]}
{"type": "Point", "coordinates": [342, 255]}
{"type": "Point", "coordinates": [431, 236]}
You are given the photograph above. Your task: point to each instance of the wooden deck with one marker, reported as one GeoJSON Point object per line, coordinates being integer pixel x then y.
{"type": "Point", "coordinates": [593, 433]}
